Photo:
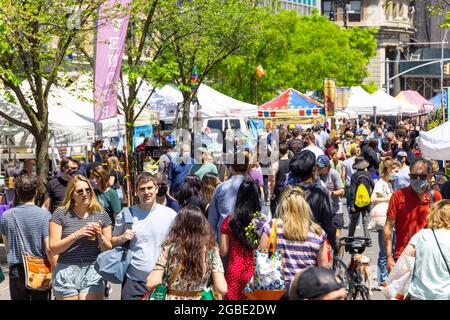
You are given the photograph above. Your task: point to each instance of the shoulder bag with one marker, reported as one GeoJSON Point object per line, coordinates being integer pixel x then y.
{"type": "Point", "coordinates": [267, 282]}
{"type": "Point", "coordinates": [38, 274]}
{"type": "Point", "coordinates": [112, 265]}
{"type": "Point", "coordinates": [209, 293]}
{"type": "Point", "coordinates": [160, 291]}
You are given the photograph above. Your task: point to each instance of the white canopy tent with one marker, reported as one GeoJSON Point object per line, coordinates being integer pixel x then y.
{"type": "Point", "coordinates": [435, 144]}
{"type": "Point", "coordinates": [216, 104]}
{"type": "Point", "coordinates": [388, 105]}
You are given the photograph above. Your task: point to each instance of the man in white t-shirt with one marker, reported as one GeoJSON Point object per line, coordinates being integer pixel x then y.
{"type": "Point", "coordinates": [310, 140]}
{"type": "Point", "coordinates": [151, 224]}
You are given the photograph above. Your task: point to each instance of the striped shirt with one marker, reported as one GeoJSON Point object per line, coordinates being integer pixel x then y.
{"type": "Point", "coordinates": [33, 225]}
{"type": "Point", "coordinates": [297, 255]}
{"type": "Point", "coordinates": [82, 250]}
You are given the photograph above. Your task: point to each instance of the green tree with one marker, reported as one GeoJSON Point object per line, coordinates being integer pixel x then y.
{"type": "Point", "coordinates": [34, 39]}
{"type": "Point", "coordinates": [299, 52]}
{"type": "Point", "coordinates": [211, 31]}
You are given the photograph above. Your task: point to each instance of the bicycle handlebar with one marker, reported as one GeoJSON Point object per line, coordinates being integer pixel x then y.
{"type": "Point", "coordinates": [353, 239]}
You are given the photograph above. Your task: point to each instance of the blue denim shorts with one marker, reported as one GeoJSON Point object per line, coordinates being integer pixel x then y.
{"type": "Point", "coordinates": [70, 280]}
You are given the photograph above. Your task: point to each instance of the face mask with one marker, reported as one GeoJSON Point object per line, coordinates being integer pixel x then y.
{"type": "Point", "coordinates": [162, 191]}
{"type": "Point", "coordinates": [94, 184]}
{"type": "Point", "coordinates": [393, 177]}
{"type": "Point", "coordinates": [72, 173]}
{"type": "Point", "coordinates": [419, 185]}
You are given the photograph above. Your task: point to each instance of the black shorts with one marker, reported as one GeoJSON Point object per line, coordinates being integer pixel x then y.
{"type": "Point", "coordinates": [338, 220]}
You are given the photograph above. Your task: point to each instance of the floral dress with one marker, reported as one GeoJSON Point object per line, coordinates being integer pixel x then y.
{"type": "Point", "coordinates": [180, 284]}
{"type": "Point", "coordinates": [240, 265]}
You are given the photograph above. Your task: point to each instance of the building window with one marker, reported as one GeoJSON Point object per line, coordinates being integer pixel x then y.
{"type": "Point", "coordinates": [327, 5]}
{"type": "Point", "coordinates": [354, 14]}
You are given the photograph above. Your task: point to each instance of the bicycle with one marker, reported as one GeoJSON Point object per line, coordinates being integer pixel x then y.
{"type": "Point", "coordinates": [349, 274]}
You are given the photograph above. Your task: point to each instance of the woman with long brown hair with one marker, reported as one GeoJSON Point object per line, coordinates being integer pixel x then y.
{"type": "Point", "coordinates": [116, 174]}
{"type": "Point", "coordinates": [106, 195]}
{"type": "Point", "coordinates": [192, 255]}
{"type": "Point", "coordinates": [209, 183]}
{"type": "Point", "coordinates": [79, 230]}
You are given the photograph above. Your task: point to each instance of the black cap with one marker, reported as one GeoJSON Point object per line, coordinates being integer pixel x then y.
{"type": "Point", "coordinates": [315, 282]}
{"type": "Point", "coordinates": [302, 164]}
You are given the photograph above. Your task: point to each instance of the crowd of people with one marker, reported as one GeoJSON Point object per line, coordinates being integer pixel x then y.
{"type": "Point", "coordinates": [191, 218]}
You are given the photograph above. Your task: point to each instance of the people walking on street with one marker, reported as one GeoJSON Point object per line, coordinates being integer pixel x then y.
{"type": "Point", "coordinates": [205, 166]}
{"type": "Point", "coordinates": [234, 242]}
{"type": "Point", "coordinates": [224, 198]}
{"type": "Point", "coordinates": [301, 240]}
{"type": "Point", "coordinates": [106, 196]}
{"type": "Point", "coordinates": [56, 188]}
{"type": "Point", "coordinates": [210, 181]}
{"type": "Point", "coordinates": [163, 197]}
{"type": "Point", "coordinates": [32, 223]}
{"type": "Point", "coordinates": [79, 230]}
{"type": "Point", "coordinates": [191, 193]}
{"type": "Point", "coordinates": [379, 200]}
{"type": "Point", "coordinates": [303, 172]}
{"type": "Point", "coordinates": [361, 186]}
{"type": "Point", "coordinates": [179, 168]}
{"type": "Point", "coordinates": [408, 210]}
{"type": "Point", "coordinates": [333, 183]}
{"type": "Point", "coordinates": [349, 171]}
{"type": "Point", "coordinates": [191, 253]}
{"type": "Point", "coordinates": [116, 175]}
{"type": "Point", "coordinates": [402, 179]}
{"type": "Point", "coordinates": [431, 248]}
{"type": "Point", "coordinates": [151, 224]}
{"type": "Point", "coordinates": [279, 177]}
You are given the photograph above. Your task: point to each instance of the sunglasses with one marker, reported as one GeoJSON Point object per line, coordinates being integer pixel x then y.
{"type": "Point", "coordinates": [80, 192]}
{"type": "Point", "coordinates": [415, 176]}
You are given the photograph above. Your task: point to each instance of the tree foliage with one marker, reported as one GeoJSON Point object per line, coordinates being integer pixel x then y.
{"type": "Point", "coordinates": [295, 51]}
{"type": "Point", "coordinates": [35, 37]}
{"type": "Point", "coordinates": [210, 32]}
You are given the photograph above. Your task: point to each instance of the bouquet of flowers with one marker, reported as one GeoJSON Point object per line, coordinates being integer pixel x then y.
{"type": "Point", "coordinates": [254, 229]}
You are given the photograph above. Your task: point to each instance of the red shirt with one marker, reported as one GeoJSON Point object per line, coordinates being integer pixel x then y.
{"type": "Point", "coordinates": [410, 215]}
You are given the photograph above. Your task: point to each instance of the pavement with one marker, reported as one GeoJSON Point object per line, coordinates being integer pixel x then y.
{"type": "Point", "coordinates": [371, 252]}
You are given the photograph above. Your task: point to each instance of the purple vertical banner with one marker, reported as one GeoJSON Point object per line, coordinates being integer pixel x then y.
{"type": "Point", "coordinates": [108, 58]}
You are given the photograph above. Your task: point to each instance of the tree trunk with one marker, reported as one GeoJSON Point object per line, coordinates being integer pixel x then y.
{"type": "Point", "coordinates": [187, 98]}
{"type": "Point", "coordinates": [129, 115]}
{"type": "Point", "coordinates": [42, 161]}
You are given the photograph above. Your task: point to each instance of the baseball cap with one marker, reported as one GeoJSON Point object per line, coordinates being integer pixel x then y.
{"type": "Point", "coordinates": [322, 161]}
{"type": "Point", "coordinates": [302, 164]}
{"type": "Point", "coordinates": [315, 282]}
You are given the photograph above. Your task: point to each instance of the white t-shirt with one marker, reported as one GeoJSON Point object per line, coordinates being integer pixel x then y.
{"type": "Point", "coordinates": [431, 277]}
{"type": "Point", "coordinates": [383, 188]}
{"type": "Point", "coordinates": [151, 229]}
{"type": "Point", "coordinates": [317, 151]}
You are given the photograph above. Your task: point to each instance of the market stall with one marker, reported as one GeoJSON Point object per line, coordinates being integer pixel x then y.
{"type": "Point", "coordinates": [292, 107]}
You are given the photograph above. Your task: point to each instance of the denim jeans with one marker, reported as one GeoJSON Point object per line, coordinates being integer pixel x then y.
{"type": "Point", "coordinates": [382, 265]}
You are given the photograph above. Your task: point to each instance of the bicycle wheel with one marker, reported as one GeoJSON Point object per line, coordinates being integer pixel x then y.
{"type": "Point", "coordinates": [341, 271]}
{"type": "Point", "coordinates": [360, 292]}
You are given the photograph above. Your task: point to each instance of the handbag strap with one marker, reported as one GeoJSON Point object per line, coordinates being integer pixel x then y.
{"type": "Point", "coordinates": [440, 250]}
{"type": "Point", "coordinates": [273, 236]}
{"type": "Point", "coordinates": [18, 233]}
{"type": "Point", "coordinates": [128, 221]}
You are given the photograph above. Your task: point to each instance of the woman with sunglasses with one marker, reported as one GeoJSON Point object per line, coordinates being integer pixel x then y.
{"type": "Point", "coordinates": [79, 230]}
